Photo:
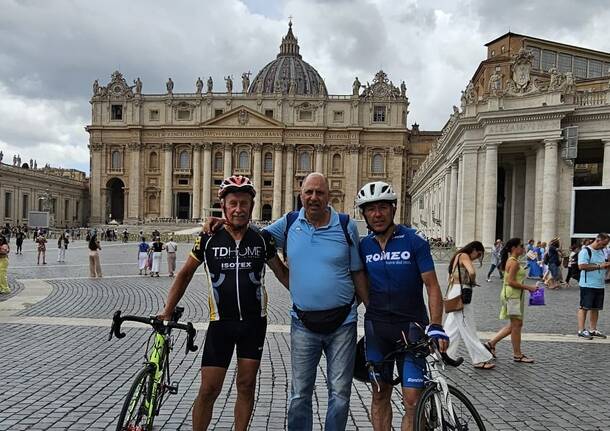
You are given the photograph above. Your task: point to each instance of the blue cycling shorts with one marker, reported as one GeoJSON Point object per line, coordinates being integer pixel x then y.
{"type": "Point", "coordinates": [380, 339]}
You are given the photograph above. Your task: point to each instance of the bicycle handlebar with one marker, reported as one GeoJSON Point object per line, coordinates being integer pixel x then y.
{"type": "Point", "coordinates": [157, 324]}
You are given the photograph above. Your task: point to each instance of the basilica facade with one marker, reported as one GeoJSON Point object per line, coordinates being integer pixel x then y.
{"type": "Point", "coordinates": [163, 156]}
{"type": "Point", "coordinates": [528, 153]}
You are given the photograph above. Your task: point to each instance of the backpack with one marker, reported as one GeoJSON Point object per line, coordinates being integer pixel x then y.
{"type": "Point", "coordinates": [590, 253]}
{"type": "Point", "coordinates": [292, 216]}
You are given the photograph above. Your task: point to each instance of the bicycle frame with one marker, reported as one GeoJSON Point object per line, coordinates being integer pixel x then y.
{"type": "Point", "coordinates": [158, 354]}
{"type": "Point", "coordinates": [436, 378]}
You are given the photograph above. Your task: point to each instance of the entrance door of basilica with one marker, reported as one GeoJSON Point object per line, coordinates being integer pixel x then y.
{"type": "Point", "coordinates": [116, 199]}
{"type": "Point", "coordinates": [183, 205]}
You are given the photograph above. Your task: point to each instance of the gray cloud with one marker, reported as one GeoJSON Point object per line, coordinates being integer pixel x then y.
{"type": "Point", "coordinates": [50, 52]}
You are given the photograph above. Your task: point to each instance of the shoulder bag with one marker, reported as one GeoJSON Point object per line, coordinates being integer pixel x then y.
{"type": "Point", "coordinates": [454, 304]}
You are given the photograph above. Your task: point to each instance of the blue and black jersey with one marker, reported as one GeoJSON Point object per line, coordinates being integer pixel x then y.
{"type": "Point", "coordinates": [395, 283]}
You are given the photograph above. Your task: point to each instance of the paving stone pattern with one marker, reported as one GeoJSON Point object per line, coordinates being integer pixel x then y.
{"type": "Point", "coordinates": [69, 377]}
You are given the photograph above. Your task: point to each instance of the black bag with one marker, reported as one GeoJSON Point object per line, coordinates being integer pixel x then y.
{"type": "Point", "coordinates": [324, 321]}
{"type": "Point", "coordinates": [466, 291]}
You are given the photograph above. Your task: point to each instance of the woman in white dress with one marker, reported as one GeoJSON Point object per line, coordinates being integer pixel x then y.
{"type": "Point", "coordinates": [157, 249]}
{"type": "Point", "coordinates": [461, 324]}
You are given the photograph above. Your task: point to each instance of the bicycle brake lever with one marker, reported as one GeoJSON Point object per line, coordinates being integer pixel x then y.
{"type": "Point", "coordinates": [190, 341]}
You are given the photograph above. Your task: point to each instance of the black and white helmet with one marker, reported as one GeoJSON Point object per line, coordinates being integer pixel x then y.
{"type": "Point", "coordinates": [375, 191]}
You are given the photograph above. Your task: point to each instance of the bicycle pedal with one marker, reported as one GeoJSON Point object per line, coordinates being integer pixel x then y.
{"type": "Point", "coordinates": [172, 389]}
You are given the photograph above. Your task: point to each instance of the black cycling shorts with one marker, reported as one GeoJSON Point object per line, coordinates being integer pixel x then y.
{"type": "Point", "coordinates": [591, 298]}
{"type": "Point", "coordinates": [224, 335]}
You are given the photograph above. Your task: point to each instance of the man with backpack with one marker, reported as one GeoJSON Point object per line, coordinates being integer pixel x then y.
{"type": "Point", "coordinates": [592, 264]}
{"type": "Point", "coordinates": [326, 275]}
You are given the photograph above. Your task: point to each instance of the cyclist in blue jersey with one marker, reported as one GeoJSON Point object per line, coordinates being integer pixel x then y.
{"type": "Point", "coordinates": [398, 263]}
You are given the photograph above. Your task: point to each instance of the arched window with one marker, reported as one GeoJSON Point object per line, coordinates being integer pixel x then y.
{"type": "Point", "coordinates": [336, 203]}
{"type": "Point", "coordinates": [218, 162]}
{"type": "Point", "coordinates": [304, 162]}
{"type": "Point", "coordinates": [244, 161]}
{"type": "Point", "coordinates": [183, 160]}
{"type": "Point", "coordinates": [337, 163]}
{"type": "Point", "coordinates": [153, 206]}
{"type": "Point", "coordinates": [153, 161]}
{"type": "Point", "coordinates": [268, 165]}
{"type": "Point", "coordinates": [377, 164]}
{"type": "Point", "coordinates": [116, 162]}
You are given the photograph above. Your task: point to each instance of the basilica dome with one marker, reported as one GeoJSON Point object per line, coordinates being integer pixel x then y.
{"type": "Point", "coordinates": [288, 73]}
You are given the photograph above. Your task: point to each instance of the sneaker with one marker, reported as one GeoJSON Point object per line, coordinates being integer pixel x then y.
{"type": "Point", "coordinates": [585, 334]}
{"type": "Point", "coordinates": [596, 333]}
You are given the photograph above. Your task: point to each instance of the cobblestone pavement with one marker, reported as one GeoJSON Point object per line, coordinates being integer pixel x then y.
{"type": "Point", "coordinates": [62, 373]}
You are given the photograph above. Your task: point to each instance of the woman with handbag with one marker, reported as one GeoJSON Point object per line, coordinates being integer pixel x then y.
{"type": "Point", "coordinates": [460, 323]}
{"type": "Point", "coordinates": [511, 299]}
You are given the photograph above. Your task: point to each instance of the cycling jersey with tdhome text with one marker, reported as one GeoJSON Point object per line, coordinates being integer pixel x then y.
{"type": "Point", "coordinates": [396, 286]}
{"type": "Point", "coordinates": [236, 272]}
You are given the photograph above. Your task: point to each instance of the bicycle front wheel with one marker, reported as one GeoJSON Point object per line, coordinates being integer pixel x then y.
{"type": "Point", "coordinates": [137, 413]}
{"type": "Point", "coordinates": [432, 413]}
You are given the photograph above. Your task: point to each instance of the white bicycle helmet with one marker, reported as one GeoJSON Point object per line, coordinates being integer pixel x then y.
{"type": "Point", "coordinates": [375, 191]}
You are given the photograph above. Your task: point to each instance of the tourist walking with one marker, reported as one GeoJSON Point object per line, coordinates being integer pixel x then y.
{"type": "Point", "coordinates": [592, 264]}
{"type": "Point", "coordinates": [533, 260]}
{"type": "Point", "coordinates": [41, 242]}
{"type": "Point", "coordinates": [237, 301]}
{"type": "Point", "coordinates": [156, 251]}
{"type": "Point", "coordinates": [495, 259]}
{"type": "Point", "coordinates": [143, 249]}
{"type": "Point", "coordinates": [461, 324]}
{"type": "Point", "coordinates": [553, 259]}
{"type": "Point", "coordinates": [19, 236]}
{"type": "Point", "coordinates": [171, 247]}
{"type": "Point", "coordinates": [512, 300]}
{"type": "Point", "coordinates": [4, 252]}
{"type": "Point", "coordinates": [62, 246]}
{"type": "Point", "coordinates": [573, 271]}
{"type": "Point", "coordinates": [95, 268]}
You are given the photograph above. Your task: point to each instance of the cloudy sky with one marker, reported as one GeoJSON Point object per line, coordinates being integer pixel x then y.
{"type": "Point", "coordinates": [51, 51]}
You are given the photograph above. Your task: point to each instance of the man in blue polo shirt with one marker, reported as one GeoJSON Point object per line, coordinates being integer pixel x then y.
{"type": "Point", "coordinates": [592, 264]}
{"type": "Point", "coordinates": [325, 273]}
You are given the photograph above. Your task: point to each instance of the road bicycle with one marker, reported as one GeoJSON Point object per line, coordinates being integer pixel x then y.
{"type": "Point", "coordinates": [441, 406]}
{"type": "Point", "coordinates": [152, 383]}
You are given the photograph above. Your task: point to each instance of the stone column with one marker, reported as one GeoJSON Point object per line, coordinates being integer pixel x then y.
{"type": "Point", "coordinates": [469, 195]}
{"type": "Point", "coordinates": [530, 191]}
{"type": "Point", "coordinates": [452, 201]}
{"type": "Point", "coordinates": [320, 158]}
{"type": "Point", "coordinates": [257, 179]}
{"type": "Point", "coordinates": [395, 175]}
{"type": "Point", "coordinates": [518, 200]}
{"type": "Point", "coordinates": [550, 188]}
{"type": "Point", "coordinates": [538, 193]}
{"type": "Point", "coordinates": [228, 158]}
{"type": "Point", "coordinates": [97, 200]}
{"type": "Point", "coordinates": [277, 181]}
{"type": "Point", "coordinates": [446, 196]}
{"type": "Point", "coordinates": [206, 189]}
{"type": "Point", "coordinates": [606, 166]}
{"type": "Point", "coordinates": [351, 178]}
{"type": "Point", "coordinates": [508, 202]}
{"type": "Point", "coordinates": [289, 184]}
{"type": "Point", "coordinates": [460, 190]}
{"type": "Point", "coordinates": [166, 202]}
{"type": "Point", "coordinates": [490, 191]}
{"type": "Point", "coordinates": [197, 180]}
{"type": "Point", "coordinates": [133, 205]}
